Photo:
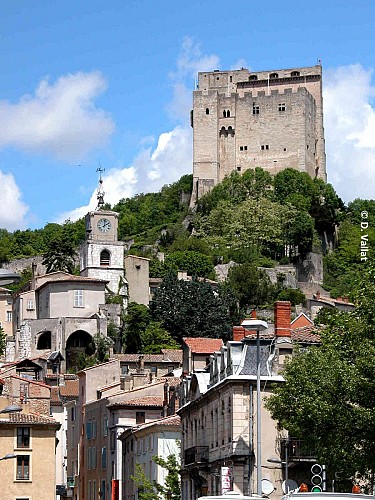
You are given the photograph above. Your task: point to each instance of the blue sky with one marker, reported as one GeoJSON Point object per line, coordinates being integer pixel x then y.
{"type": "Point", "coordinates": [84, 84]}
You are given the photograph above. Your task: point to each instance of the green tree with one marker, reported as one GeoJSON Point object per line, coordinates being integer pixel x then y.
{"type": "Point", "coordinates": [60, 252]}
{"type": "Point", "coordinates": [154, 338]}
{"type": "Point", "coordinates": [136, 320]}
{"type": "Point", "coordinates": [251, 285]}
{"type": "Point", "coordinates": [151, 490]}
{"type": "Point", "coordinates": [195, 263]}
{"type": "Point", "coordinates": [329, 391]}
{"type": "Point", "coordinates": [190, 309]}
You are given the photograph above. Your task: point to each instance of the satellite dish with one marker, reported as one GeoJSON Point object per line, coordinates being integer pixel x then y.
{"type": "Point", "coordinates": [289, 486]}
{"type": "Point", "coordinates": [267, 487]}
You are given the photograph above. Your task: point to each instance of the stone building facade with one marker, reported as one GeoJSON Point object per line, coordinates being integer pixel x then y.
{"type": "Point", "coordinates": [269, 119]}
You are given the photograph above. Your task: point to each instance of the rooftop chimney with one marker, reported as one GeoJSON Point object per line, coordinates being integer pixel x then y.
{"type": "Point", "coordinates": [282, 318]}
{"type": "Point", "coordinates": [239, 332]}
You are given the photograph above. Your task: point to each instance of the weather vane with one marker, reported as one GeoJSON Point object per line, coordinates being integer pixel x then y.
{"type": "Point", "coordinates": [100, 192]}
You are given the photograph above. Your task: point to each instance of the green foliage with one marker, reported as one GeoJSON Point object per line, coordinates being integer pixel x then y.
{"type": "Point", "coordinates": [26, 276]}
{"type": "Point", "coordinates": [60, 252]}
{"type": "Point", "coordinates": [2, 341]}
{"type": "Point", "coordinates": [151, 490]}
{"type": "Point", "coordinates": [136, 320]}
{"type": "Point", "coordinates": [154, 338]}
{"type": "Point", "coordinates": [189, 309]}
{"type": "Point", "coordinates": [195, 263]}
{"type": "Point", "coordinates": [329, 392]}
{"type": "Point", "coordinates": [142, 334]}
{"type": "Point", "coordinates": [294, 296]}
{"type": "Point", "coordinates": [251, 286]}
{"type": "Point", "coordinates": [147, 211]}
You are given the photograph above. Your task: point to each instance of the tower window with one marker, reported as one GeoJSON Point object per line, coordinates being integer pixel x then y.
{"type": "Point", "coordinates": [282, 106]}
{"type": "Point", "coordinates": [224, 113]}
{"type": "Point", "coordinates": [255, 110]}
{"type": "Point", "coordinates": [264, 146]}
{"type": "Point", "coordinates": [241, 148]}
{"type": "Point", "coordinates": [207, 111]}
{"type": "Point", "coordinates": [105, 258]}
{"type": "Point", "coordinates": [231, 79]}
{"type": "Point", "coordinates": [228, 113]}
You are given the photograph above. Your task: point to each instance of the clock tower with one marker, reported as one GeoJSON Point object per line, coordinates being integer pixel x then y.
{"type": "Point", "coordinates": [102, 254]}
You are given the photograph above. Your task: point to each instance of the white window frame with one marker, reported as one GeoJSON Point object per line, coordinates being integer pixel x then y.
{"type": "Point", "coordinates": [78, 298]}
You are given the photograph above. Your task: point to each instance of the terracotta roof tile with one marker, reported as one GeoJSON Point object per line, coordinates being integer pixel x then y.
{"type": "Point", "coordinates": [201, 345]}
{"type": "Point", "coordinates": [175, 356]}
{"type": "Point", "coordinates": [172, 420]}
{"type": "Point", "coordinates": [306, 335]}
{"type": "Point", "coordinates": [142, 402]}
{"type": "Point", "coordinates": [30, 418]}
{"type": "Point", "coordinates": [70, 389]}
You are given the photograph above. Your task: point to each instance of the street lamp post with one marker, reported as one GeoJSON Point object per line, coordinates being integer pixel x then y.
{"type": "Point", "coordinates": [7, 277]}
{"type": "Point", "coordinates": [8, 456]}
{"type": "Point", "coordinates": [11, 409]}
{"type": "Point", "coordinates": [258, 326]}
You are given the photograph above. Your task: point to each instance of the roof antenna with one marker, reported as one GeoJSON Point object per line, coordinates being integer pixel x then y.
{"type": "Point", "coordinates": [100, 193]}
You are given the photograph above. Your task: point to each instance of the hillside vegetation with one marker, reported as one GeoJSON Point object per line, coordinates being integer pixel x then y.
{"type": "Point", "coordinates": [253, 219]}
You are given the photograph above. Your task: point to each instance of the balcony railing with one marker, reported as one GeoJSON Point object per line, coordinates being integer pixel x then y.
{"type": "Point", "coordinates": [298, 450]}
{"type": "Point", "coordinates": [196, 455]}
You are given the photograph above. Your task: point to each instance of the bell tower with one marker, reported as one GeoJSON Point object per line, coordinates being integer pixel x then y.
{"type": "Point", "coordinates": [102, 254]}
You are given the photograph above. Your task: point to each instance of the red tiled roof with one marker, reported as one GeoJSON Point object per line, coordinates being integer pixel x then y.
{"type": "Point", "coordinates": [70, 389]}
{"type": "Point", "coordinates": [175, 356]}
{"type": "Point", "coordinates": [303, 334]}
{"type": "Point", "coordinates": [172, 420]}
{"type": "Point", "coordinates": [143, 401]}
{"type": "Point", "coordinates": [30, 418]}
{"type": "Point", "coordinates": [201, 345]}
{"type": "Point", "coordinates": [306, 335]}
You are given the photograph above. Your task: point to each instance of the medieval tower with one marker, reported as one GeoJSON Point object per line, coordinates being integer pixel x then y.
{"type": "Point", "coordinates": [269, 119]}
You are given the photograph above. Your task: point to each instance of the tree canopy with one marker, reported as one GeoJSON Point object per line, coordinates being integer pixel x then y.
{"type": "Point", "coordinates": [190, 309]}
{"type": "Point", "coordinates": [328, 398]}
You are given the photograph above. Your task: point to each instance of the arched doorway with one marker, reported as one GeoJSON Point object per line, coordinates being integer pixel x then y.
{"type": "Point", "coordinates": [79, 344]}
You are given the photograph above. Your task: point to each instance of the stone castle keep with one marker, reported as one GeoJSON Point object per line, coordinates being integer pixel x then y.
{"type": "Point", "coordinates": [269, 119]}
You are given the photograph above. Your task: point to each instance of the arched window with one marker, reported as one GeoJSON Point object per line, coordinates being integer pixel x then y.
{"type": "Point", "coordinates": [274, 75]}
{"type": "Point", "coordinates": [295, 73]}
{"type": "Point", "coordinates": [44, 341]}
{"type": "Point", "coordinates": [253, 77]}
{"type": "Point", "coordinates": [228, 113]}
{"type": "Point", "coordinates": [105, 258]}
{"type": "Point", "coordinates": [207, 111]}
{"type": "Point", "coordinates": [224, 113]}
{"type": "Point", "coordinates": [223, 132]}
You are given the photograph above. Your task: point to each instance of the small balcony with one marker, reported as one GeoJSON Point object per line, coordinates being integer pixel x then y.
{"type": "Point", "coordinates": [299, 450]}
{"type": "Point", "coordinates": [196, 455]}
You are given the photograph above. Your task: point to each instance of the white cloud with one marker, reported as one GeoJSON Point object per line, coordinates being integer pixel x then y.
{"type": "Point", "coordinates": [165, 162]}
{"type": "Point", "coordinates": [150, 171]}
{"type": "Point", "coordinates": [350, 131]}
{"type": "Point", "coordinates": [13, 209]}
{"type": "Point", "coordinates": [189, 63]}
{"type": "Point", "coordinates": [59, 119]}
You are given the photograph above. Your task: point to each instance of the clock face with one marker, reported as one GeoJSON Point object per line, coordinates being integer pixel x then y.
{"type": "Point", "coordinates": [104, 225]}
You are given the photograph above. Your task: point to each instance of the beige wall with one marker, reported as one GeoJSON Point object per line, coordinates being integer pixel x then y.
{"type": "Point", "coordinates": [57, 299]}
{"type": "Point", "coordinates": [5, 308]}
{"type": "Point", "coordinates": [41, 485]}
{"type": "Point", "coordinates": [137, 275]}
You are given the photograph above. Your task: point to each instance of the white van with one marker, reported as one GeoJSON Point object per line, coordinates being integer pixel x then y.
{"type": "Point", "coordinates": [230, 495]}
{"type": "Point", "coordinates": [325, 495]}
